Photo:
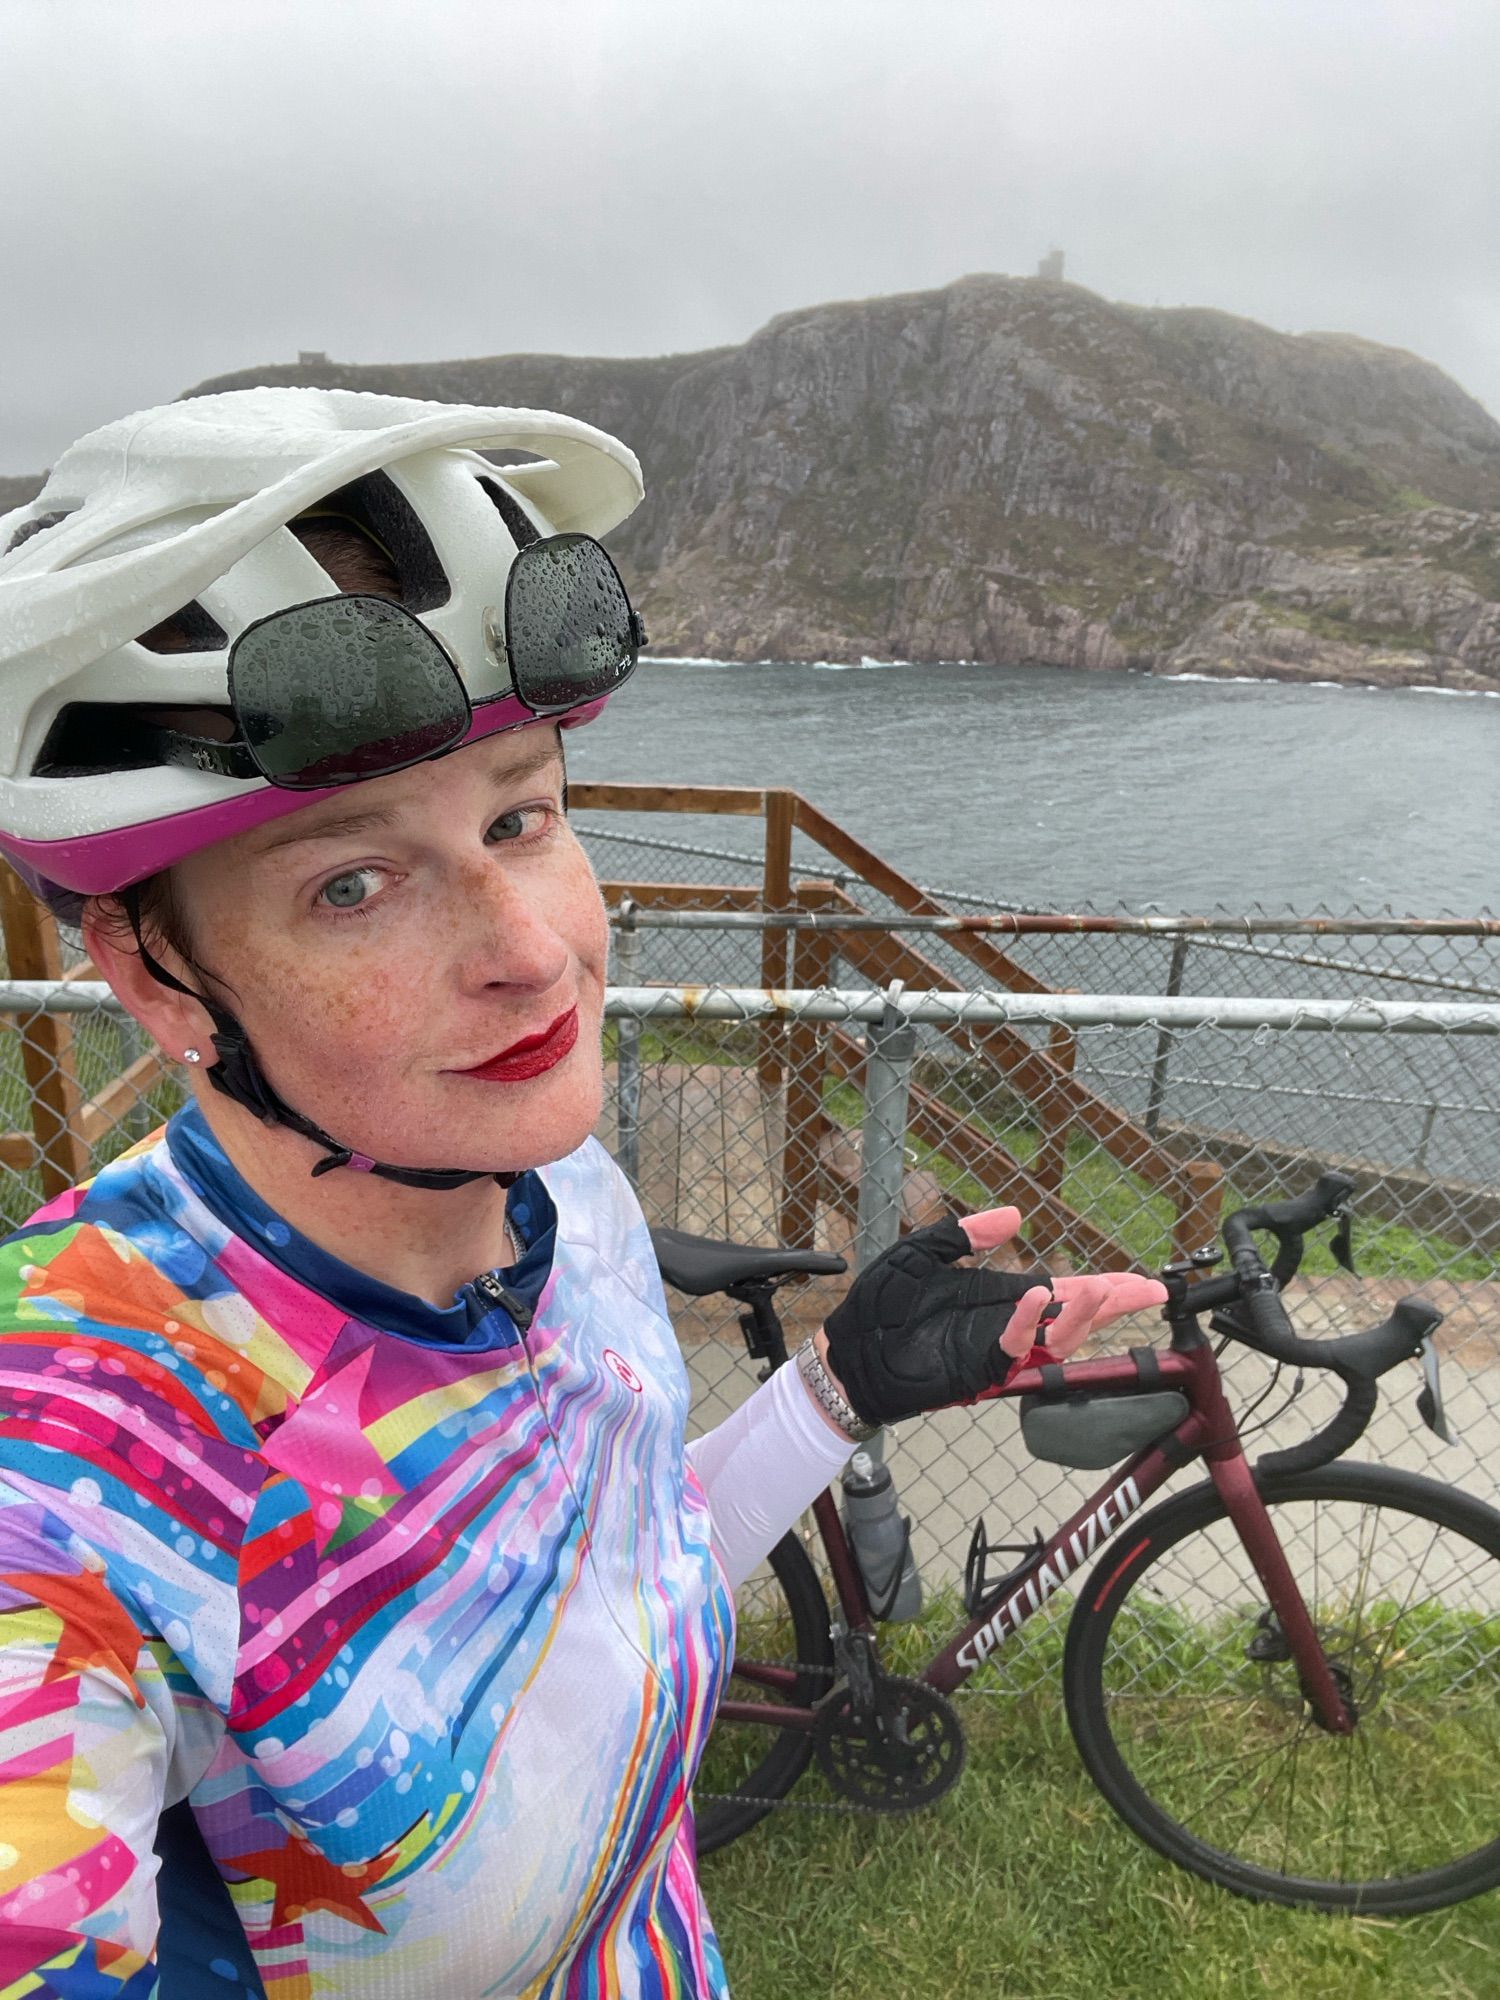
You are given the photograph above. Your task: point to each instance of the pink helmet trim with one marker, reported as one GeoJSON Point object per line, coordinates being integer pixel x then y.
{"type": "Point", "coordinates": [96, 864]}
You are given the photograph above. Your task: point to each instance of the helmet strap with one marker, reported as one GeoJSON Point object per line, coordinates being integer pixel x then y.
{"type": "Point", "coordinates": [239, 1076]}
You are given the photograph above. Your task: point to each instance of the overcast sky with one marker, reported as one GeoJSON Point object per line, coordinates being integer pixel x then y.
{"type": "Point", "coordinates": [188, 186]}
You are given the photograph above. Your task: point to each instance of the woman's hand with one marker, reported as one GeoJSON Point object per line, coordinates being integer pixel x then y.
{"type": "Point", "coordinates": [918, 1330]}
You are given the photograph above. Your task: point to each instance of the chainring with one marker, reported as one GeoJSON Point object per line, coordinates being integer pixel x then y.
{"type": "Point", "coordinates": [904, 1753]}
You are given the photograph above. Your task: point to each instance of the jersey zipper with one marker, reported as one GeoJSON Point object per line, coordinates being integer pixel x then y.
{"type": "Point", "coordinates": [489, 1287]}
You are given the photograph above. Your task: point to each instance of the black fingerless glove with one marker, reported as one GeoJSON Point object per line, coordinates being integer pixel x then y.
{"type": "Point", "coordinates": [913, 1333]}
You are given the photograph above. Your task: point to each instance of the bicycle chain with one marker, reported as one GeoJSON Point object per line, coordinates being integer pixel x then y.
{"type": "Point", "coordinates": [785, 1804]}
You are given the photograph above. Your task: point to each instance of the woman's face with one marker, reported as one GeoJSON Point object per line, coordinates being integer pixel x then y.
{"type": "Point", "coordinates": [379, 945]}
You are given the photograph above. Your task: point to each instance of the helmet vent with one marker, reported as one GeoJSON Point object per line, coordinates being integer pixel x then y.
{"type": "Point", "coordinates": [190, 630]}
{"type": "Point", "coordinates": [92, 739]}
{"type": "Point", "coordinates": [522, 530]}
{"type": "Point", "coordinates": [378, 506]}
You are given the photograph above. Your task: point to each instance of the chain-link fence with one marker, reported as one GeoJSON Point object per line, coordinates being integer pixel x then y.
{"type": "Point", "coordinates": [1121, 1129]}
{"type": "Point", "coordinates": [1007, 1106]}
{"type": "Point", "coordinates": [1122, 1140]}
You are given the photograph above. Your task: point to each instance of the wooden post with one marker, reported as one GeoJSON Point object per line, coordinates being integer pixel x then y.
{"type": "Point", "coordinates": [1198, 1207]}
{"type": "Point", "coordinates": [776, 894]}
{"type": "Point", "coordinates": [806, 1060]}
{"type": "Point", "coordinates": [33, 952]}
{"type": "Point", "coordinates": [1054, 1123]}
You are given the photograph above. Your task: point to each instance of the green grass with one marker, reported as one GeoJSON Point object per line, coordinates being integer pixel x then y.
{"type": "Point", "coordinates": [1023, 1883]}
{"type": "Point", "coordinates": [1095, 1185]}
{"type": "Point", "coordinates": [1142, 1220]}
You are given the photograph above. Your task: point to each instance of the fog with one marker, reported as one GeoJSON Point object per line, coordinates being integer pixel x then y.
{"type": "Point", "coordinates": [189, 188]}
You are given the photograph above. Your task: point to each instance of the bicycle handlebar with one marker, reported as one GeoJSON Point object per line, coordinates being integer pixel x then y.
{"type": "Point", "coordinates": [1246, 1304]}
{"type": "Point", "coordinates": [1259, 1289]}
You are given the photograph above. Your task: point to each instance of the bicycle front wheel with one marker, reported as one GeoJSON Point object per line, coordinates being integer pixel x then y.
{"type": "Point", "coordinates": [1188, 1711]}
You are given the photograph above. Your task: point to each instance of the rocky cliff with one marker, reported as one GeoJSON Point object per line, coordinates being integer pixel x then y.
{"type": "Point", "coordinates": [1013, 469]}
{"type": "Point", "coordinates": [16, 489]}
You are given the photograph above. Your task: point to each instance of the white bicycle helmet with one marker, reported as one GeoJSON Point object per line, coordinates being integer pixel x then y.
{"type": "Point", "coordinates": [182, 511]}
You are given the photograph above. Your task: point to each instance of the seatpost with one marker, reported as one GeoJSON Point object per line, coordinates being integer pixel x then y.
{"type": "Point", "coordinates": [765, 1339]}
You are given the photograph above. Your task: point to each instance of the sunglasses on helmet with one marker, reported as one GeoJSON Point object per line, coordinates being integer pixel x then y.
{"type": "Point", "coordinates": [352, 687]}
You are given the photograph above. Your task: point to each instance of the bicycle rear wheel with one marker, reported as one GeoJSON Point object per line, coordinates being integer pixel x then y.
{"type": "Point", "coordinates": [747, 1768]}
{"type": "Point", "coordinates": [1188, 1711]}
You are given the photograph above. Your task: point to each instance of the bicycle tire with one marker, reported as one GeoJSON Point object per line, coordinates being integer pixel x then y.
{"type": "Point", "coordinates": [799, 1619]}
{"type": "Point", "coordinates": [1198, 1676]}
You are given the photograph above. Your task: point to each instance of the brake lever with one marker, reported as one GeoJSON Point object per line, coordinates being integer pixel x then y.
{"type": "Point", "coordinates": [1050, 1313]}
{"type": "Point", "coordinates": [1430, 1395]}
{"type": "Point", "coordinates": [1342, 1244]}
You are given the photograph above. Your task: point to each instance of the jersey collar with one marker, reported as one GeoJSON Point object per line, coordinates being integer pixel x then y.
{"type": "Point", "coordinates": [208, 1169]}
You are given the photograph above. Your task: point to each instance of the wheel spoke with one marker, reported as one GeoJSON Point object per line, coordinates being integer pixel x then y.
{"type": "Point", "coordinates": [1227, 1770]}
{"type": "Point", "coordinates": [1291, 1806]}
{"type": "Point", "coordinates": [1360, 1744]}
{"type": "Point", "coordinates": [1270, 1779]}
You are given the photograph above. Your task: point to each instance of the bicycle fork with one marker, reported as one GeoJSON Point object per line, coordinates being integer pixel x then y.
{"type": "Point", "coordinates": [1230, 1472]}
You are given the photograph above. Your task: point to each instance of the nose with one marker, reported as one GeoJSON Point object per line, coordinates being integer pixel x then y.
{"type": "Point", "coordinates": [505, 927]}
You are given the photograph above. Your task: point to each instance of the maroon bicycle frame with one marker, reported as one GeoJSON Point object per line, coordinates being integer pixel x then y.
{"type": "Point", "coordinates": [1208, 1432]}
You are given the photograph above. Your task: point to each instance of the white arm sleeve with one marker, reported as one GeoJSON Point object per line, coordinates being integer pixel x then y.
{"type": "Point", "coordinates": [762, 1466]}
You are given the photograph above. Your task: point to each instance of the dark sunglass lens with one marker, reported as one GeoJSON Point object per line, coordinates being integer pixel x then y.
{"type": "Point", "coordinates": [343, 689]}
{"type": "Point", "coordinates": [569, 628]}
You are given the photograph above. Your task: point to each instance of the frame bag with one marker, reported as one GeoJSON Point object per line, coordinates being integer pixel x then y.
{"type": "Point", "coordinates": [1093, 1428]}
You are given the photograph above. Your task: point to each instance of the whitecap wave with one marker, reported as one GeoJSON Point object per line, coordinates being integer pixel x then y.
{"type": "Point", "coordinates": [1223, 680]}
{"type": "Point", "coordinates": [863, 665]}
{"type": "Point", "coordinates": [687, 660]}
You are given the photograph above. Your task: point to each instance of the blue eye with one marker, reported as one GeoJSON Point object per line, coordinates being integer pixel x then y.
{"type": "Point", "coordinates": [345, 892]}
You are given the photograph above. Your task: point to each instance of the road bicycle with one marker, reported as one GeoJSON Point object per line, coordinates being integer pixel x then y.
{"type": "Point", "coordinates": [1285, 1678]}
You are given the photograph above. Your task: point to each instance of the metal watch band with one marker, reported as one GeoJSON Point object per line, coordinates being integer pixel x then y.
{"type": "Point", "coordinates": [830, 1399]}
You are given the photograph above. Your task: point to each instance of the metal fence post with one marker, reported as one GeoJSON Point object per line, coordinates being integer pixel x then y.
{"type": "Point", "coordinates": [628, 1048]}
{"type": "Point", "coordinates": [1429, 1119]}
{"type": "Point", "coordinates": [890, 1049]}
{"type": "Point", "coordinates": [890, 1046]}
{"type": "Point", "coordinates": [1157, 1089]}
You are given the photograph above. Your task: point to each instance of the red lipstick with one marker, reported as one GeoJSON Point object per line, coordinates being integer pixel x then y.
{"type": "Point", "coordinates": [530, 1056]}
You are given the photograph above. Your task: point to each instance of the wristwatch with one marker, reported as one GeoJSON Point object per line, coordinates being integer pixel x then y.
{"type": "Point", "coordinates": [831, 1399]}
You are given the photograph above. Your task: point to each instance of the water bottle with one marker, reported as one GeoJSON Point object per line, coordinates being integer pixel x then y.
{"type": "Point", "coordinates": [880, 1539]}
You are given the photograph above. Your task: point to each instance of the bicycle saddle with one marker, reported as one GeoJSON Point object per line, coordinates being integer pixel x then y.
{"type": "Point", "coordinates": [700, 1264]}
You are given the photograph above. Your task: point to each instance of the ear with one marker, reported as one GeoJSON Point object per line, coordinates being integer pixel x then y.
{"type": "Point", "coordinates": [171, 1019]}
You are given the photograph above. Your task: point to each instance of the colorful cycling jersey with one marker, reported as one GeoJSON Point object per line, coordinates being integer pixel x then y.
{"type": "Point", "coordinates": [393, 1629]}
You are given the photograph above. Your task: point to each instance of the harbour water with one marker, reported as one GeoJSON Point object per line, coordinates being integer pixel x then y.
{"type": "Point", "coordinates": [1041, 785]}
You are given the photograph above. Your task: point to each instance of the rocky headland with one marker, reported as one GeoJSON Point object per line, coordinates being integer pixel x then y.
{"type": "Point", "coordinates": [1014, 469]}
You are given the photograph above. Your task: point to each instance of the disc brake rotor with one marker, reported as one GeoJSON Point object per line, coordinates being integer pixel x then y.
{"type": "Point", "coordinates": [906, 1753]}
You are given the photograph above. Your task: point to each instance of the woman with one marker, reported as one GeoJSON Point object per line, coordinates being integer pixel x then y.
{"type": "Point", "coordinates": [361, 1612]}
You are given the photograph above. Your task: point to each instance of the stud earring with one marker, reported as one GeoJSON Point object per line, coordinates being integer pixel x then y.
{"type": "Point", "coordinates": [191, 1055]}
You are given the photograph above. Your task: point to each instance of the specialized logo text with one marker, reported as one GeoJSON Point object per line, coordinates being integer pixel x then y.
{"type": "Point", "coordinates": [1033, 1591]}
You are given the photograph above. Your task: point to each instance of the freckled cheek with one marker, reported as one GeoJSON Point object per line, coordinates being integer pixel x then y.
{"type": "Point", "coordinates": [588, 921]}
{"type": "Point", "coordinates": [367, 1005]}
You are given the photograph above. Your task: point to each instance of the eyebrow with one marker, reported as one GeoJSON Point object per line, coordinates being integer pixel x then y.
{"type": "Point", "coordinates": [380, 816]}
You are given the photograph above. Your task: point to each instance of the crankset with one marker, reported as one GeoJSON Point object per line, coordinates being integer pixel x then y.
{"type": "Point", "coordinates": [899, 1748]}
